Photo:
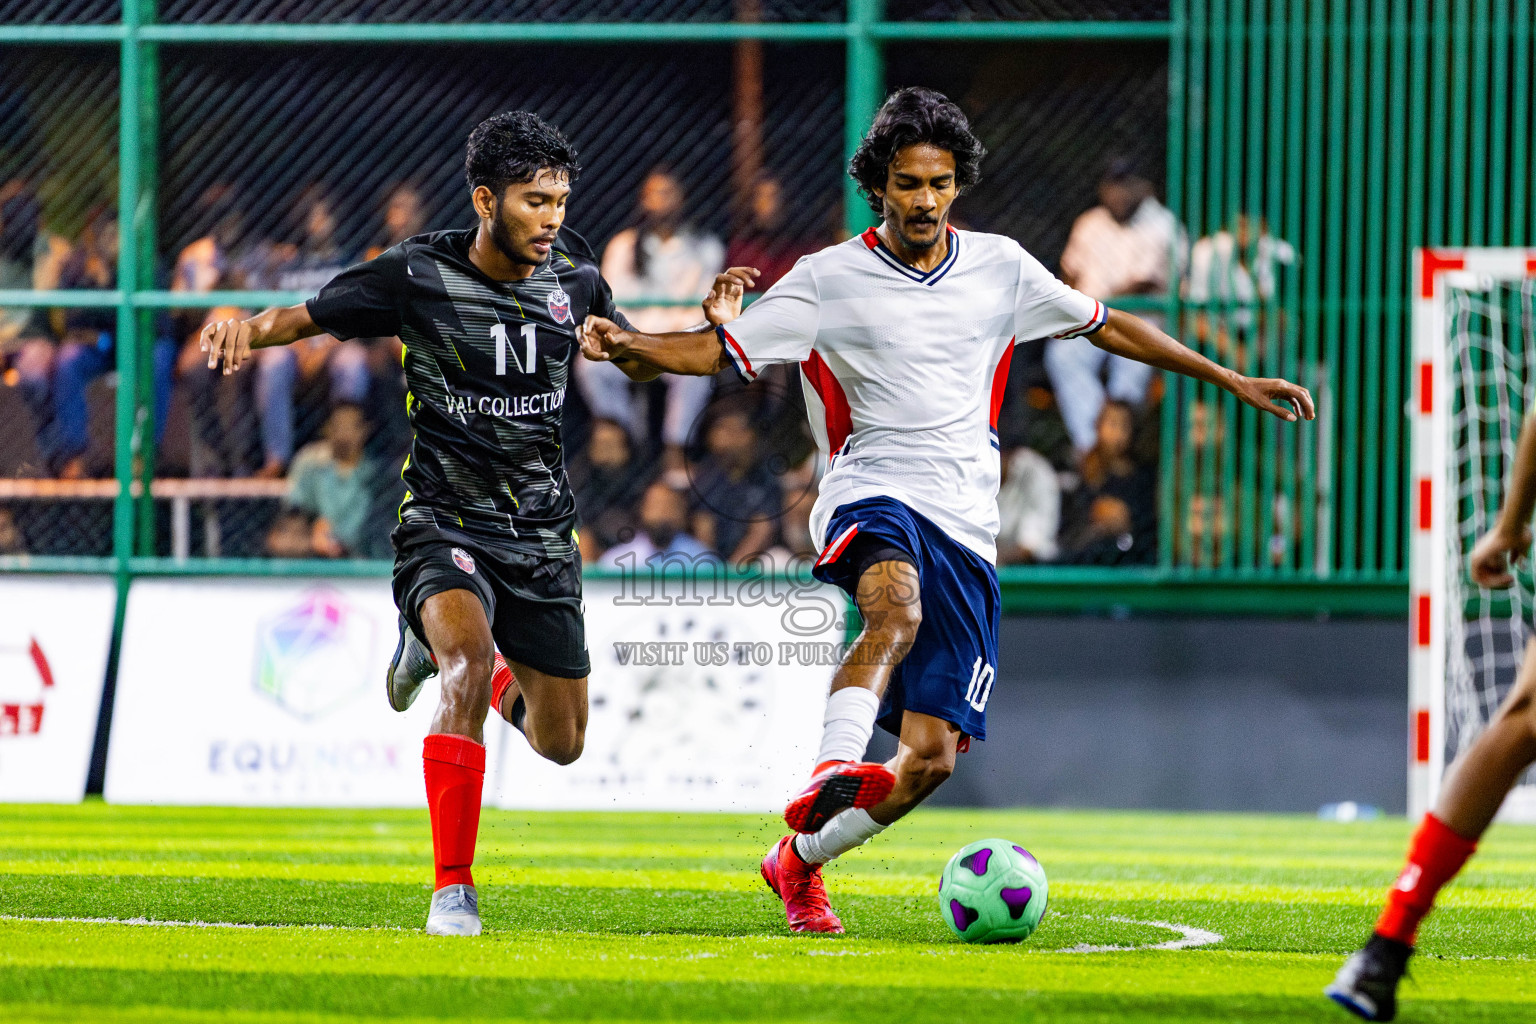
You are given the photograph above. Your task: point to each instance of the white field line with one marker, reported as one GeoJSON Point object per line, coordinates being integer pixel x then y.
{"type": "Point", "coordinates": [1190, 937]}
{"type": "Point", "coordinates": [144, 921]}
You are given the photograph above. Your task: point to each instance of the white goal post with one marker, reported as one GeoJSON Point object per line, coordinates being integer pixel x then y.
{"type": "Point", "coordinates": [1474, 380]}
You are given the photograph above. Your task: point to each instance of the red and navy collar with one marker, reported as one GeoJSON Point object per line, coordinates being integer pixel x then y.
{"type": "Point", "coordinates": [871, 239]}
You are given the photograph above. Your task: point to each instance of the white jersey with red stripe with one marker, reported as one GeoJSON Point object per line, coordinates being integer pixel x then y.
{"type": "Point", "coordinates": [904, 370]}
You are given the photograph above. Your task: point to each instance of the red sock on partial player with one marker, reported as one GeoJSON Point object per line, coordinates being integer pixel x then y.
{"type": "Point", "coordinates": [455, 771]}
{"type": "Point", "coordinates": [1434, 857]}
{"type": "Point", "coordinates": [501, 681]}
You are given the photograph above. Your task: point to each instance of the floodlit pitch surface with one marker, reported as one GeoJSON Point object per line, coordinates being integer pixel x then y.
{"type": "Point", "coordinates": [663, 917]}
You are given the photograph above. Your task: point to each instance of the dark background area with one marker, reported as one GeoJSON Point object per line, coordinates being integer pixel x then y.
{"type": "Point", "coordinates": [80, 12]}
{"type": "Point", "coordinates": [1191, 714]}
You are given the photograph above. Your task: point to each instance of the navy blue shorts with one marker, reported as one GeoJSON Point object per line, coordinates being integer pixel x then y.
{"type": "Point", "coordinates": [948, 673]}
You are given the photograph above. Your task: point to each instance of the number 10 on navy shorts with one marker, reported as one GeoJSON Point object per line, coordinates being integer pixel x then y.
{"type": "Point", "coordinates": [950, 669]}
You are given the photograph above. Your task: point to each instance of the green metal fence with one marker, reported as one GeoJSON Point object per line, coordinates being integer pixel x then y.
{"type": "Point", "coordinates": [1355, 131]}
{"type": "Point", "coordinates": [1350, 131]}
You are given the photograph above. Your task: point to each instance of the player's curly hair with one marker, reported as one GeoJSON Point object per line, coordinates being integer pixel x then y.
{"type": "Point", "coordinates": [511, 148]}
{"type": "Point", "coordinates": [910, 117]}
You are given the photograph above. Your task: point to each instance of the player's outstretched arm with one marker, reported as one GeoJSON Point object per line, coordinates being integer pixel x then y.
{"type": "Point", "coordinates": [1509, 540]}
{"type": "Point", "coordinates": [1134, 338]}
{"type": "Point", "coordinates": [231, 341]}
{"type": "Point", "coordinates": [691, 353]}
{"type": "Point", "coordinates": [695, 352]}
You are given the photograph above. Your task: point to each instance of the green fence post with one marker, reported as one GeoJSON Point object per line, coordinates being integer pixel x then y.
{"type": "Point", "coordinates": [1358, 534]}
{"type": "Point", "coordinates": [144, 237]}
{"type": "Point", "coordinates": [1390, 284]}
{"type": "Point", "coordinates": [865, 87]}
{"type": "Point", "coordinates": [1195, 125]}
{"type": "Point", "coordinates": [1168, 445]}
{"type": "Point", "coordinates": [128, 139]}
{"type": "Point", "coordinates": [129, 134]}
{"type": "Point", "coordinates": [1519, 119]}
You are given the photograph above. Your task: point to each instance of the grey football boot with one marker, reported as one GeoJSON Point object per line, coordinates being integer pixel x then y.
{"type": "Point", "coordinates": [1367, 983]}
{"type": "Point", "coordinates": [455, 911]}
{"type": "Point", "coordinates": [411, 666]}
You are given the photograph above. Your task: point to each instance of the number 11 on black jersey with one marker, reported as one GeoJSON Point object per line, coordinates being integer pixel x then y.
{"type": "Point", "coordinates": [525, 365]}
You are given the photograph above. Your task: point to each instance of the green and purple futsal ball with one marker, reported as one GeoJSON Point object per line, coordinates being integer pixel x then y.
{"type": "Point", "coordinates": [992, 891]}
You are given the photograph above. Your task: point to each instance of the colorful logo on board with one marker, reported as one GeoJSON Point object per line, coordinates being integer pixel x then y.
{"type": "Point", "coordinates": [314, 657]}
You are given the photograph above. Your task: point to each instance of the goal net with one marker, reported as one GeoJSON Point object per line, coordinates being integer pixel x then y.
{"type": "Point", "coordinates": [1474, 330]}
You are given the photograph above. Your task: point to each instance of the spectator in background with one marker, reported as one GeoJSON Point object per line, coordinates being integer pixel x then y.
{"type": "Point", "coordinates": [334, 481]}
{"type": "Point", "coordinates": [1201, 467]}
{"type": "Point", "coordinates": [1029, 509]}
{"type": "Point", "coordinates": [1231, 274]}
{"type": "Point", "coordinates": [738, 499]}
{"type": "Point", "coordinates": [12, 540]}
{"type": "Point", "coordinates": [801, 486]}
{"type": "Point", "coordinates": [89, 348]}
{"type": "Point", "coordinates": [1206, 530]}
{"type": "Point", "coordinates": [765, 242]}
{"type": "Point", "coordinates": [317, 256]}
{"type": "Point", "coordinates": [20, 223]}
{"type": "Point", "coordinates": [26, 342]}
{"type": "Point", "coordinates": [1114, 510]}
{"type": "Point", "coordinates": [218, 448]}
{"type": "Point", "coordinates": [289, 535]}
{"type": "Point", "coordinates": [661, 257]}
{"type": "Point", "coordinates": [607, 482]}
{"type": "Point", "coordinates": [403, 217]}
{"type": "Point", "coordinates": [223, 259]}
{"type": "Point", "coordinates": [1127, 245]}
{"type": "Point", "coordinates": [663, 531]}
{"type": "Point", "coordinates": [303, 267]}
{"type": "Point", "coordinates": [769, 241]}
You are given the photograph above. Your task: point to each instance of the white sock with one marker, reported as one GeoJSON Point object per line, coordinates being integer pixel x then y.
{"type": "Point", "coordinates": [848, 723]}
{"type": "Point", "coordinates": [853, 827]}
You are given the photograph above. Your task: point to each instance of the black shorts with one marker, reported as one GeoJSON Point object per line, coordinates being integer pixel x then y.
{"type": "Point", "coordinates": [532, 601]}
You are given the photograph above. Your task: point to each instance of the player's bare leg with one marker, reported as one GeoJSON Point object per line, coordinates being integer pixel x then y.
{"type": "Point", "coordinates": [887, 598]}
{"type": "Point", "coordinates": [551, 711]}
{"type": "Point", "coordinates": [453, 755]}
{"type": "Point", "coordinates": [1478, 783]}
{"type": "Point", "coordinates": [924, 759]}
{"type": "Point", "coordinates": [459, 636]}
{"type": "Point", "coordinates": [1474, 788]}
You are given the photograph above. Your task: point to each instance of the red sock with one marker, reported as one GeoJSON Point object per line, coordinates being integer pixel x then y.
{"type": "Point", "coordinates": [455, 770]}
{"type": "Point", "coordinates": [501, 681]}
{"type": "Point", "coordinates": [1434, 857]}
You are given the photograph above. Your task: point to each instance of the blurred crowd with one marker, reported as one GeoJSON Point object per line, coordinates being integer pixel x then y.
{"type": "Point", "coordinates": [679, 465]}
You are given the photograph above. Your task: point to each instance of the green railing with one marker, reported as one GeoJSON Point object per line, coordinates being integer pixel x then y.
{"type": "Point", "coordinates": [1356, 130]}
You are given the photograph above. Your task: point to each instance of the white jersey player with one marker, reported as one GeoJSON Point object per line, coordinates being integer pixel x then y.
{"type": "Point", "coordinates": [903, 370]}
{"type": "Point", "coordinates": [903, 336]}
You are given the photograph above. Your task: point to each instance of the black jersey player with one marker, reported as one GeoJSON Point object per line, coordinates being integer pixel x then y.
{"type": "Point", "coordinates": [485, 552]}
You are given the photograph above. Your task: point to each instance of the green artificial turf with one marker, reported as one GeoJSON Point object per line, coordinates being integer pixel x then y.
{"type": "Point", "coordinates": [643, 917]}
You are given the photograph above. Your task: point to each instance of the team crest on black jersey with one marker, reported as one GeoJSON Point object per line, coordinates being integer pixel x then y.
{"type": "Point", "coordinates": [559, 305]}
{"type": "Point", "coordinates": [464, 560]}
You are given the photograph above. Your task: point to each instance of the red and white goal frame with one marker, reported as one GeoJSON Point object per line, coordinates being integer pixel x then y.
{"type": "Point", "coordinates": [1433, 506]}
